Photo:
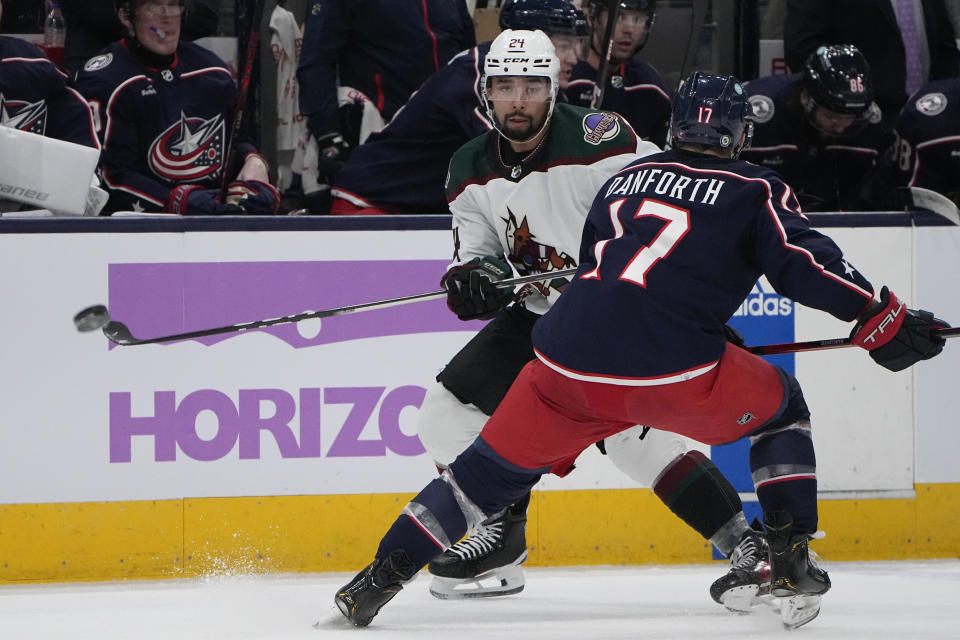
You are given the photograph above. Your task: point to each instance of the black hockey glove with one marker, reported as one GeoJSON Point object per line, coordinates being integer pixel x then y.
{"type": "Point", "coordinates": [332, 152]}
{"type": "Point", "coordinates": [471, 293]}
{"type": "Point", "coordinates": [895, 336]}
{"type": "Point", "coordinates": [733, 336]}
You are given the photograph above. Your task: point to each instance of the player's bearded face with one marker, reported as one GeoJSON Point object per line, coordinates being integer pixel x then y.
{"type": "Point", "coordinates": [520, 105]}
{"type": "Point", "coordinates": [630, 28]}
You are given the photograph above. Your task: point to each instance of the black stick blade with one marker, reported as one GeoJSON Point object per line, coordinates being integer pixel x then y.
{"type": "Point", "coordinates": [92, 318]}
{"type": "Point", "coordinates": [118, 333]}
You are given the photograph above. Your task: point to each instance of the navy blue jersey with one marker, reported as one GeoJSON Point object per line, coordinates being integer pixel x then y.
{"type": "Point", "coordinates": [34, 96]}
{"type": "Point", "coordinates": [926, 151]}
{"type": "Point", "coordinates": [827, 173]}
{"type": "Point", "coordinates": [383, 48]}
{"type": "Point", "coordinates": [402, 167]}
{"type": "Point", "coordinates": [635, 90]}
{"type": "Point", "coordinates": [160, 127]}
{"type": "Point", "coordinates": [672, 246]}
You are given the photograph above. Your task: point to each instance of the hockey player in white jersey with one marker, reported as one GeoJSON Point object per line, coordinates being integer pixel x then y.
{"type": "Point", "coordinates": [519, 196]}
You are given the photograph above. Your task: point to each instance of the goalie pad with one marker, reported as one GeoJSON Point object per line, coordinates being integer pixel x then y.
{"type": "Point", "coordinates": [46, 173]}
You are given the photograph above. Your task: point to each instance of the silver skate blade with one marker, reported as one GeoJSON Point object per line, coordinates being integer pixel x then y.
{"type": "Point", "coordinates": [798, 610]}
{"type": "Point", "coordinates": [741, 599]}
{"type": "Point", "coordinates": [332, 619]}
{"type": "Point", "coordinates": [504, 581]}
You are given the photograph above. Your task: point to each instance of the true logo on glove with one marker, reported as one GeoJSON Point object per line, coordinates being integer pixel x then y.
{"type": "Point", "coordinates": [889, 319]}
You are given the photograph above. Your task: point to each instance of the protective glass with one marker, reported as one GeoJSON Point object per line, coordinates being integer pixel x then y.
{"type": "Point", "coordinates": [156, 10]}
{"type": "Point", "coordinates": [518, 89]}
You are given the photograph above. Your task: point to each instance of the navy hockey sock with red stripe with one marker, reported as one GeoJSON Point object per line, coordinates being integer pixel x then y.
{"type": "Point", "coordinates": [430, 523]}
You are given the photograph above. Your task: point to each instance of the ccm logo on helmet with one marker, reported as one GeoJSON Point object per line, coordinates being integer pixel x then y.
{"type": "Point", "coordinates": [517, 60]}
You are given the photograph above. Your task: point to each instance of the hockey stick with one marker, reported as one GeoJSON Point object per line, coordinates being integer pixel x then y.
{"type": "Point", "coordinates": [97, 316]}
{"type": "Point", "coordinates": [613, 14]}
{"type": "Point", "coordinates": [921, 198]}
{"type": "Point", "coordinates": [243, 89]}
{"type": "Point", "coordinates": [831, 343]}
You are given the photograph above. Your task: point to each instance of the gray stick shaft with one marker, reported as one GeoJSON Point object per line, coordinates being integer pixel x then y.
{"type": "Point", "coordinates": [118, 333]}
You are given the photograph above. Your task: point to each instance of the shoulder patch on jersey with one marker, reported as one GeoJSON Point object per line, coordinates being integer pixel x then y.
{"type": "Point", "coordinates": [763, 108]}
{"type": "Point", "coordinates": [98, 62]}
{"type": "Point", "coordinates": [599, 127]}
{"type": "Point", "coordinates": [874, 114]}
{"type": "Point", "coordinates": [931, 104]}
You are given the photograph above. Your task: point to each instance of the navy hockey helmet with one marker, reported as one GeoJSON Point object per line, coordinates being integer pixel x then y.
{"type": "Point", "coordinates": [130, 6]}
{"type": "Point", "coordinates": [712, 111]}
{"type": "Point", "coordinates": [648, 7]}
{"type": "Point", "coordinates": [553, 17]}
{"type": "Point", "coordinates": [838, 78]}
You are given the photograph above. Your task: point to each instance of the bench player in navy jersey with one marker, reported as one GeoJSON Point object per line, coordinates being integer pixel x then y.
{"type": "Point", "coordinates": [820, 130]}
{"type": "Point", "coordinates": [400, 169]}
{"type": "Point", "coordinates": [634, 89]}
{"type": "Point", "coordinates": [672, 246]}
{"type": "Point", "coordinates": [382, 49]}
{"type": "Point", "coordinates": [926, 147]}
{"type": "Point", "coordinates": [34, 97]}
{"type": "Point", "coordinates": [163, 109]}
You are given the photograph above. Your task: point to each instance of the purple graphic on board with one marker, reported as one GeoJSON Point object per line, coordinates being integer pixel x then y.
{"type": "Point", "coordinates": [155, 299]}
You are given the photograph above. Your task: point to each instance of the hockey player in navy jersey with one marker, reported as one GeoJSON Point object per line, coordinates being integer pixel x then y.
{"type": "Point", "coordinates": [634, 89]}
{"type": "Point", "coordinates": [401, 168]}
{"type": "Point", "coordinates": [672, 246]}
{"type": "Point", "coordinates": [926, 146]}
{"type": "Point", "coordinates": [34, 97]}
{"type": "Point", "coordinates": [820, 130]}
{"type": "Point", "coordinates": [163, 110]}
{"type": "Point", "coordinates": [383, 49]}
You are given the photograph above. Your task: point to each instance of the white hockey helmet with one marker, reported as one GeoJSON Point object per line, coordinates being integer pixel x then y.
{"type": "Point", "coordinates": [517, 52]}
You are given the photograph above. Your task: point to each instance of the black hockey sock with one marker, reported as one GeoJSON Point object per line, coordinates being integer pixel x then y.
{"type": "Point", "coordinates": [695, 490]}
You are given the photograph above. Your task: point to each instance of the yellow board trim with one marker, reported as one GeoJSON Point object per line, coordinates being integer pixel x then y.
{"type": "Point", "coordinates": [225, 536]}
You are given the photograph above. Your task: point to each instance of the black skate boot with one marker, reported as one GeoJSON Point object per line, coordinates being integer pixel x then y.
{"type": "Point", "coordinates": [362, 598]}
{"type": "Point", "coordinates": [794, 574]}
{"type": "Point", "coordinates": [486, 563]}
{"type": "Point", "coordinates": [748, 580]}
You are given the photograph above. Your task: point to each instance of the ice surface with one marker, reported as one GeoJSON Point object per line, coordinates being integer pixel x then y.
{"type": "Point", "coordinates": [879, 601]}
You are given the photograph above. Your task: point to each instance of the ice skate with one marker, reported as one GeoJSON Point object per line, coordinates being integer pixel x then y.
{"type": "Point", "coordinates": [747, 583]}
{"type": "Point", "coordinates": [486, 563]}
{"type": "Point", "coordinates": [362, 598]}
{"type": "Point", "coordinates": [794, 574]}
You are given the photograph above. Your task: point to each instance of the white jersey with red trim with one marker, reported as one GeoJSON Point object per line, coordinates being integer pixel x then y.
{"type": "Point", "coordinates": [532, 211]}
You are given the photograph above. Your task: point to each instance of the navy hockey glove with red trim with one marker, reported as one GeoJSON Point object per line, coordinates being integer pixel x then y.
{"type": "Point", "coordinates": [192, 199]}
{"type": "Point", "coordinates": [895, 336]}
{"type": "Point", "coordinates": [471, 293]}
{"type": "Point", "coordinates": [332, 152]}
{"type": "Point", "coordinates": [254, 197]}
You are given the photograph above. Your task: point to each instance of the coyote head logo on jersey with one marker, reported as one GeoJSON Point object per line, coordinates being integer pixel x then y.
{"type": "Point", "coordinates": [25, 116]}
{"type": "Point", "coordinates": [190, 150]}
{"type": "Point", "coordinates": [529, 256]}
